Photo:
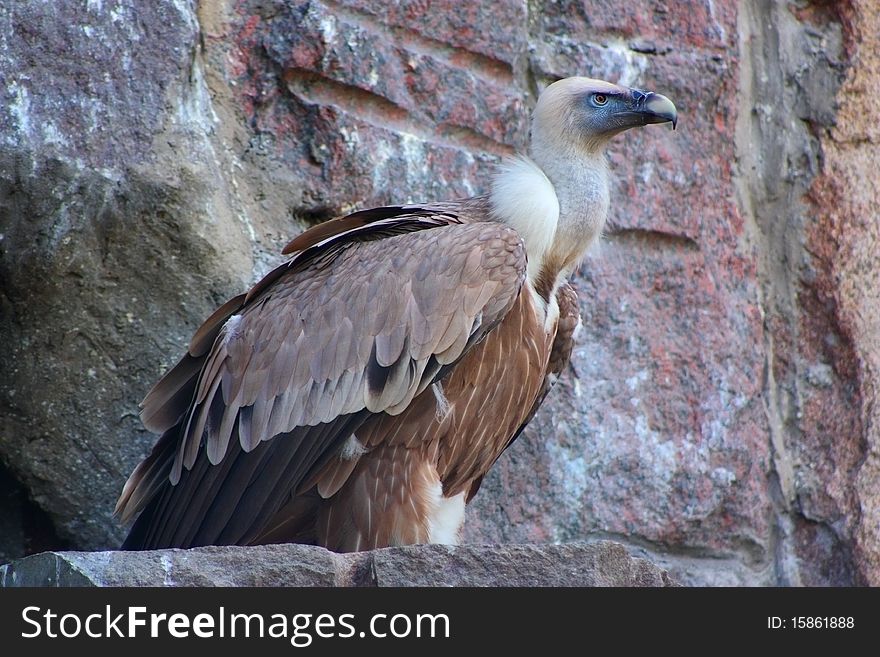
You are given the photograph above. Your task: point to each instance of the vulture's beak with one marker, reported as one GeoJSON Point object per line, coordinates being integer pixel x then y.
{"type": "Point", "coordinates": [654, 108]}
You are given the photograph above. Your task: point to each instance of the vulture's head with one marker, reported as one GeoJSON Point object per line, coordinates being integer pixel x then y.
{"type": "Point", "coordinates": [586, 113]}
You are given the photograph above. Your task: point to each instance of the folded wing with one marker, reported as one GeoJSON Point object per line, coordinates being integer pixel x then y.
{"type": "Point", "coordinates": [359, 322]}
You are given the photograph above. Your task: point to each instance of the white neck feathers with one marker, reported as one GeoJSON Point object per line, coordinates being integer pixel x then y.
{"type": "Point", "coordinates": [559, 210]}
{"type": "Point", "coordinates": [523, 198]}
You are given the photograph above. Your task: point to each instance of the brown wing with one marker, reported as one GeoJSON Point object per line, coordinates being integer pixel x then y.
{"type": "Point", "coordinates": [560, 356]}
{"type": "Point", "coordinates": [566, 327]}
{"type": "Point", "coordinates": [356, 324]}
{"type": "Point", "coordinates": [387, 491]}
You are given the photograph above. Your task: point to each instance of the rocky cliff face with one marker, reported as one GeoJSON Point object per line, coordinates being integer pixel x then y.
{"type": "Point", "coordinates": [720, 415]}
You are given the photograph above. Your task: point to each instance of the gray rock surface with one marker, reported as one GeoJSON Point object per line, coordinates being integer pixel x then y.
{"type": "Point", "coordinates": [594, 564]}
{"type": "Point", "coordinates": [113, 217]}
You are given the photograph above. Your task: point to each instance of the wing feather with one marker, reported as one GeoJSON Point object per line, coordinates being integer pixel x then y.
{"type": "Point", "coordinates": [355, 324]}
{"type": "Point", "coordinates": [168, 401]}
{"type": "Point", "coordinates": [559, 358]}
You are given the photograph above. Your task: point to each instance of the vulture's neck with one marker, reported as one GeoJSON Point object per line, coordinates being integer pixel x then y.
{"type": "Point", "coordinates": [558, 202]}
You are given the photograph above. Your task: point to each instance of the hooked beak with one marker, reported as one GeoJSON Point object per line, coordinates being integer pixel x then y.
{"type": "Point", "coordinates": [656, 108]}
{"type": "Point", "coordinates": [646, 107]}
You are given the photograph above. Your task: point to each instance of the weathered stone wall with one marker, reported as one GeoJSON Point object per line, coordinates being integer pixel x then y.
{"type": "Point", "coordinates": [720, 412]}
{"type": "Point", "coordinates": [843, 239]}
{"type": "Point", "coordinates": [793, 67]}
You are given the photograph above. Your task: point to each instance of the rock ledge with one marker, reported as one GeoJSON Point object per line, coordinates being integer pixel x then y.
{"type": "Point", "coordinates": [603, 563]}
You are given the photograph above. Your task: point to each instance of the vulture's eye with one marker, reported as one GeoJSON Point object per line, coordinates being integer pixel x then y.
{"type": "Point", "coordinates": [600, 99]}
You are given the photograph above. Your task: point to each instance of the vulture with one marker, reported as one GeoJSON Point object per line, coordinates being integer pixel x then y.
{"type": "Point", "coordinates": [357, 395]}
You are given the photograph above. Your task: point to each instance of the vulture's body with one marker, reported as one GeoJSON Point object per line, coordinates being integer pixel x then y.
{"type": "Point", "coordinates": [358, 394]}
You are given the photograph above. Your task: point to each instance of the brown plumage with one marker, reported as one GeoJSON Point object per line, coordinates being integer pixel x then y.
{"type": "Point", "coordinates": [357, 395]}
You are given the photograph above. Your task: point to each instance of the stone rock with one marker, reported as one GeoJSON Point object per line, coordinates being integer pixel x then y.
{"type": "Point", "coordinates": [573, 564]}
{"type": "Point", "coordinates": [721, 412]}
{"type": "Point", "coordinates": [836, 463]}
{"type": "Point", "coordinates": [112, 219]}
{"type": "Point", "coordinates": [594, 564]}
{"type": "Point", "coordinates": [24, 527]}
